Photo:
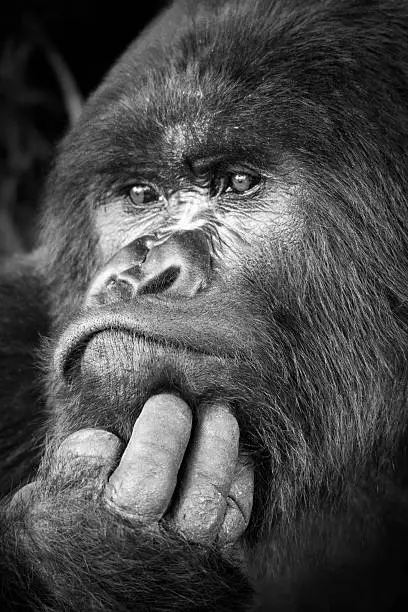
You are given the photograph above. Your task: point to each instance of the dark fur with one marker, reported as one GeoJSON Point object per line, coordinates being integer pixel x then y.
{"type": "Point", "coordinates": [317, 375]}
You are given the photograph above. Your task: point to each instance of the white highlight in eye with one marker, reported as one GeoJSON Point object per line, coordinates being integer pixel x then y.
{"type": "Point", "coordinates": [138, 193]}
{"type": "Point", "coordinates": [241, 182]}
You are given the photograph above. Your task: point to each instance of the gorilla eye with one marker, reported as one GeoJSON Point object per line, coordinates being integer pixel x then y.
{"type": "Point", "coordinates": [241, 182]}
{"type": "Point", "coordinates": [142, 194]}
{"type": "Point", "coordinates": [235, 182]}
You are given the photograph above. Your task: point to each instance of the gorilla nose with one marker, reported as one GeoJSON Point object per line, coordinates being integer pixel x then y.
{"type": "Point", "coordinates": [180, 266]}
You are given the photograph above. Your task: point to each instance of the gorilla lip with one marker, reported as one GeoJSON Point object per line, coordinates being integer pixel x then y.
{"type": "Point", "coordinates": [73, 342]}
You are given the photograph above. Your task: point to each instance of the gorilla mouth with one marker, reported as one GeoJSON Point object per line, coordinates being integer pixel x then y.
{"type": "Point", "coordinates": [145, 327]}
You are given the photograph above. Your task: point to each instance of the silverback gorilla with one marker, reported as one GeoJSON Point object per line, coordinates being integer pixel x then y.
{"type": "Point", "coordinates": [203, 365]}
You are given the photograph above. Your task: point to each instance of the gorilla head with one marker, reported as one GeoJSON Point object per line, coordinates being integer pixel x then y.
{"type": "Point", "coordinates": [231, 226]}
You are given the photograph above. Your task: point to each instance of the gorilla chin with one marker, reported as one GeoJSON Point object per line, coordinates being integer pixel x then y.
{"type": "Point", "coordinates": [119, 357]}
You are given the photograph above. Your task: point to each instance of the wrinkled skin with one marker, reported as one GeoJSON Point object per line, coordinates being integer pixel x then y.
{"type": "Point", "coordinates": [214, 502]}
{"type": "Point", "coordinates": [203, 364]}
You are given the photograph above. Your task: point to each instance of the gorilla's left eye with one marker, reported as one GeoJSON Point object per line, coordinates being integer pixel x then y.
{"type": "Point", "coordinates": [241, 182]}
{"type": "Point", "coordinates": [142, 194]}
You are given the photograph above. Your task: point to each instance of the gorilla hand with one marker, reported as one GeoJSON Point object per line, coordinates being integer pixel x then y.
{"type": "Point", "coordinates": [201, 489]}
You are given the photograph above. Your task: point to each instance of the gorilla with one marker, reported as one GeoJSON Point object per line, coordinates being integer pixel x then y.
{"type": "Point", "coordinates": [203, 363]}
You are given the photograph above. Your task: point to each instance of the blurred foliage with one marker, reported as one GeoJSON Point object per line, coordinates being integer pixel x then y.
{"type": "Point", "coordinates": [31, 118]}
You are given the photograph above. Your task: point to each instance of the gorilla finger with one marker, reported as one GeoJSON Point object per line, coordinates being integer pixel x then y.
{"type": "Point", "coordinates": [239, 505]}
{"type": "Point", "coordinates": [89, 446]}
{"type": "Point", "coordinates": [202, 502]}
{"type": "Point", "coordinates": [144, 482]}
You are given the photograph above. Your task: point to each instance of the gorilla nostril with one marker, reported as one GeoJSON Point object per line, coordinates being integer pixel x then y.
{"type": "Point", "coordinates": [115, 289]}
{"type": "Point", "coordinates": [126, 286]}
{"type": "Point", "coordinates": [161, 282]}
{"type": "Point", "coordinates": [120, 288]}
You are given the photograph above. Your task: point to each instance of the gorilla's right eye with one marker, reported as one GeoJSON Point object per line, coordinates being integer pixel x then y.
{"type": "Point", "coordinates": [142, 194]}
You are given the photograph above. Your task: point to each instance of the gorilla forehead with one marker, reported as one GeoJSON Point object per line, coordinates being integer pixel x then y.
{"type": "Point", "coordinates": [197, 93]}
{"type": "Point", "coordinates": [164, 124]}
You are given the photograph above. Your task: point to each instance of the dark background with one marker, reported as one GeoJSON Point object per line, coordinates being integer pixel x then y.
{"type": "Point", "coordinates": [44, 45]}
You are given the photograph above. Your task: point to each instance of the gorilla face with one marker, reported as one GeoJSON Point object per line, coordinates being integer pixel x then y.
{"type": "Point", "coordinates": [185, 214]}
{"type": "Point", "coordinates": [226, 233]}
